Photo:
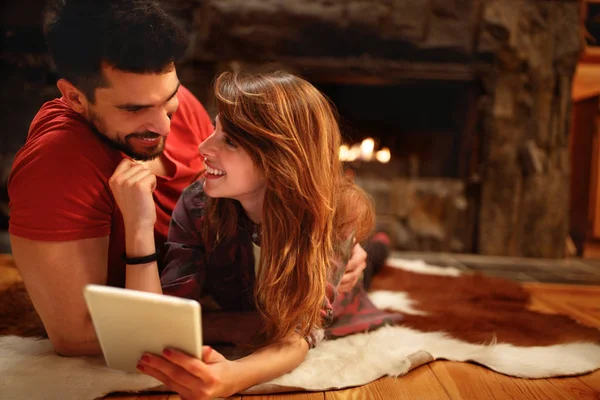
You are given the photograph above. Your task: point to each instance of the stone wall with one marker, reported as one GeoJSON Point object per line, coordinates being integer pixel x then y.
{"type": "Point", "coordinates": [525, 169]}
{"type": "Point", "coordinates": [424, 214]}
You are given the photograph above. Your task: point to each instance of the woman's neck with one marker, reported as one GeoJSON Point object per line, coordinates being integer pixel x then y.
{"type": "Point", "coordinates": [253, 209]}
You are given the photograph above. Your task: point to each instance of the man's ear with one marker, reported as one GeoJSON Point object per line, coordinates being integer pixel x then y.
{"type": "Point", "coordinates": [73, 96]}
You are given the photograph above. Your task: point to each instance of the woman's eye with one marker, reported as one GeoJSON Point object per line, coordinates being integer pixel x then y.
{"type": "Point", "coordinates": [230, 142]}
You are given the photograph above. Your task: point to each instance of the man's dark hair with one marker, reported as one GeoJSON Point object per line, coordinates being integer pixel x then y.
{"type": "Point", "coordinates": [130, 35]}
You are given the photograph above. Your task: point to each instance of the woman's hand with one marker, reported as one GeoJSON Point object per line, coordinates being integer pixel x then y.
{"type": "Point", "coordinates": [132, 185]}
{"type": "Point", "coordinates": [190, 377]}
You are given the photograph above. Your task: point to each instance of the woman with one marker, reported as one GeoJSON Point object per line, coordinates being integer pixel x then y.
{"type": "Point", "coordinates": [261, 241]}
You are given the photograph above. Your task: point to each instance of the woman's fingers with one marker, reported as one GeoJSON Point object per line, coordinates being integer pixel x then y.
{"type": "Point", "coordinates": [164, 378]}
{"type": "Point", "coordinates": [171, 374]}
{"type": "Point", "coordinates": [190, 364]}
{"type": "Point", "coordinates": [210, 355]}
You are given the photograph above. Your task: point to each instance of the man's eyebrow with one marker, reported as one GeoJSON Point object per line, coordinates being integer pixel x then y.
{"type": "Point", "coordinates": [131, 106]}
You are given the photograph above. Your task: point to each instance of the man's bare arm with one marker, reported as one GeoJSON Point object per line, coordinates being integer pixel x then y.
{"type": "Point", "coordinates": [55, 274]}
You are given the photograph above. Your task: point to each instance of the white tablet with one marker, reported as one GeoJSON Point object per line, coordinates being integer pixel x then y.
{"type": "Point", "coordinates": [129, 323]}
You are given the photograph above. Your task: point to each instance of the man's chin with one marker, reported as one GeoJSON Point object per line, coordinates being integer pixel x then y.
{"type": "Point", "coordinates": [146, 154]}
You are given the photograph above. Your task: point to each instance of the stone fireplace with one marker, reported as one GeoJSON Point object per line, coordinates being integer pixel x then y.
{"type": "Point", "coordinates": [472, 97]}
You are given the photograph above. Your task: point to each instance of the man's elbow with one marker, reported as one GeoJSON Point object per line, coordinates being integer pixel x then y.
{"type": "Point", "coordinates": [75, 346]}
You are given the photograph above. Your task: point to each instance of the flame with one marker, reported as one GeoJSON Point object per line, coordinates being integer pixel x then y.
{"type": "Point", "coordinates": [383, 155]}
{"type": "Point", "coordinates": [366, 149]}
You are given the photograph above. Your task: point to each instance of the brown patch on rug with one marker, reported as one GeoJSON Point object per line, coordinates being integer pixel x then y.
{"type": "Point", "coordinates": [480, 309]}
{"type": "Point", "coordinates": [17, 315]}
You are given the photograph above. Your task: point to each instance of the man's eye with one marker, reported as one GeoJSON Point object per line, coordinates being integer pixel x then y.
{"type": "Point", "coordinates": [133, 110]}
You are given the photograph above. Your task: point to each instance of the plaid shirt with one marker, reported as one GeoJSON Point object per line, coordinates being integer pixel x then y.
{"type": "Point", "coordinates": [224, 279]}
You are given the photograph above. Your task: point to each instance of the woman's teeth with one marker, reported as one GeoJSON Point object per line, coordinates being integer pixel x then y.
{"type": "Point", "coordinates": [214, 171]}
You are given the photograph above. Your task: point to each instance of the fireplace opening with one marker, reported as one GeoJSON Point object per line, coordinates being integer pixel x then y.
{"type": "Point", "coordinates": [427, 125]}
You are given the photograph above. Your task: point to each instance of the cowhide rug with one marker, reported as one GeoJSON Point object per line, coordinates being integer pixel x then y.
{"type": "Point", "coordinates": [449, 315]}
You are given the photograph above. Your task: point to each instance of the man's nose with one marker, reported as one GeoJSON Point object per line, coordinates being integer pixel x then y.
{"type": "Point", "coordinates": [161, 123]}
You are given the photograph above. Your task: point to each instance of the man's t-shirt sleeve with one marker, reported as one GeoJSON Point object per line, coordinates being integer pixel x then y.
{"type": "Point", "coordinates": [194, 115]}
{"type": "Point", "coordinates": [60, 192]}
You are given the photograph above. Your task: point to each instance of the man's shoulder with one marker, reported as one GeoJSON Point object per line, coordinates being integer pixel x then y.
{"type": "Point", "coordinates": [57, 125]}
{"type": "Point", "coordinates": [61, 143]}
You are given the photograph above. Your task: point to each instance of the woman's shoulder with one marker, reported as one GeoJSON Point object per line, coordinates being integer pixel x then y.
{"type": "Point", "coordinates": [193, 198]}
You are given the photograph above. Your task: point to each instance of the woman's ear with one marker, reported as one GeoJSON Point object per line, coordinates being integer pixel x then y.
{"type": "Point", "coordinates": [73, 96]}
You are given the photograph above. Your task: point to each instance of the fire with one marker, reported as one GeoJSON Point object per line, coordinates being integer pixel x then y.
{"type": "Point", "coordinates": [383, 155]}
{"type": "Point", "coordinates": [364, 151]}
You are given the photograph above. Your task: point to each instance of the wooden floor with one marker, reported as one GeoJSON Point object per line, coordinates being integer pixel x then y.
{"type": "Point", "coordinates": [452, 380]}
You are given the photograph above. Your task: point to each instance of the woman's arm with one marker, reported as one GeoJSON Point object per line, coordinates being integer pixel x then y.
{"type": "Point", "coordinates": [271, 361]}
{"type": "Point", "coordinates": [216, 376]}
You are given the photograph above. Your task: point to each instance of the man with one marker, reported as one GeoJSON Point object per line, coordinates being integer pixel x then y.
{"type": "Point", "coordinates": [121, 98]}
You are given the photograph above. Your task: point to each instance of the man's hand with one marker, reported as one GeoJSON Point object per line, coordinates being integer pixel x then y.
{"type": "Point", "coordinates": [132, 185]}
{"type": "Point", "coordinates": [354, 269]}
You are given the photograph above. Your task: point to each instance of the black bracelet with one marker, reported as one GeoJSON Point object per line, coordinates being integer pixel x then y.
{"type": "Point", "coordinates": [140, 260]}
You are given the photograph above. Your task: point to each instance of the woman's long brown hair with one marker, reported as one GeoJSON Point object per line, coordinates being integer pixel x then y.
{"type": "Point", "coordinates": [290, 131]}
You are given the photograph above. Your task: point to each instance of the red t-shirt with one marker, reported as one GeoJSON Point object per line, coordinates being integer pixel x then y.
{"type": "Point", "coordinates": [58, 187]}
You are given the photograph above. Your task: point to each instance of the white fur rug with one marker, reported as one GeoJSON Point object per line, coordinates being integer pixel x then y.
{"type": "Point", "coordinates": [29, 368]}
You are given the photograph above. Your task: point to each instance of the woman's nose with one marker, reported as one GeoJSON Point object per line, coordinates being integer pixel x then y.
{"type": "Point", "coordinates": [207, 148]}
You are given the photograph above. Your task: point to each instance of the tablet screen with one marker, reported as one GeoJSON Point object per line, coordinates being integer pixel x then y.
{"type": "Point", "coordinates": [129, 323]}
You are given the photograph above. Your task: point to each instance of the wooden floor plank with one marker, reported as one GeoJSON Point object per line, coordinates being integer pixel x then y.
{"type": "Point", "coordinates": [287, 396]}
{"type": "Point", "coordinates": [581, 308]}
{"type": "Point", "coordinates": [467, 381]}
{"type": "Point", "coordinates": [576, 388]}
{"type": "Point", "coordinates": [580, 302]}
{"type": "Point", "coordinates": [535, 287]}
{"type": "Point", "coordinates": [419, 384]}
{"type": "Point", "coordinates": [538, 305]}
{"type": "Point", "coordinates": [145, 396]}
{"type": "Point", "coordinates": [177, 397]}
{"type": "Point", "coordinates": [592, 380]}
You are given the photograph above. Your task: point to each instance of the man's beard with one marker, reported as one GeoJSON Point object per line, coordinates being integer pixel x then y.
{"type": "Point", "coordinates": [123, 144]}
